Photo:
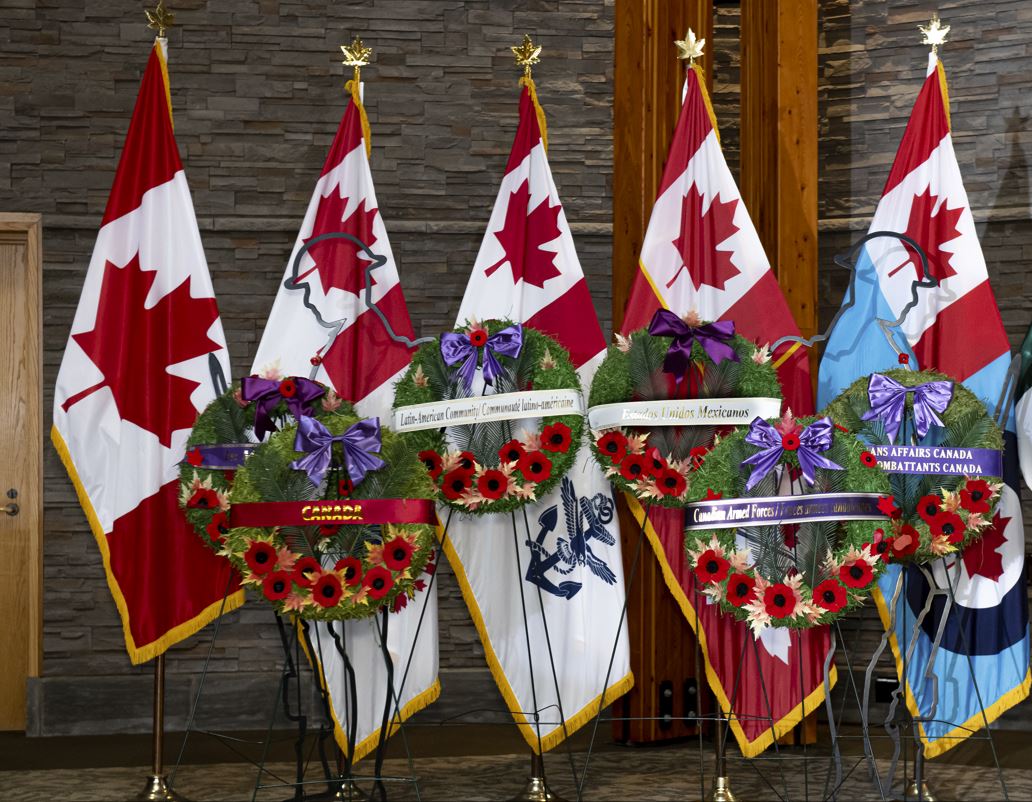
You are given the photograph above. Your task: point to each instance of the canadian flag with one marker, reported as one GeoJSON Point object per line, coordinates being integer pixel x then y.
{"type": "Point", "coordinates": [701, 254]}
{"type": "Point", "coordinates": [146, 353]}
{"type": "Point", "coordinates": [980, 666]}
{"type": "Point", "coordinates": [527, 271]}
{"type": "Point", "coordinates": [360, 361]}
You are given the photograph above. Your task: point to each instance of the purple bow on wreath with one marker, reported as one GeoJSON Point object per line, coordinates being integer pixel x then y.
{"type": "Point", "coordinates": [808, 446]}
{"type": "Point", "coordinates": [888, 402]}
{"type": "Point", "coordinates": [361, 443]}
{"type": "Point", "coordinates": [457, 348]}
{"type": "Point", "coordinates": [713, 337]}
{"type": "Point", "coordinates": [267, 393]}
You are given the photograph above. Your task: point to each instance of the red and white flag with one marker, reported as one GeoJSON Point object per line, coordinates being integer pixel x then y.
{"type": "Point", "coordinates": [358, 359]}
{"type": "Point", "coordinates": [145, 355]}
{"type": "Point", "coordinates": [701, 253]}
{"type": "Point", "coordinates": [527, 271]}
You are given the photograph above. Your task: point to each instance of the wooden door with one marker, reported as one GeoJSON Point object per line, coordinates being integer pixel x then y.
{"type": "Point", "coordinates": [21, 461]}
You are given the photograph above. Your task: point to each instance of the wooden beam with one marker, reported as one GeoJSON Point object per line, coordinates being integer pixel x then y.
{"type": "Point", "coordinates": [779, 143]}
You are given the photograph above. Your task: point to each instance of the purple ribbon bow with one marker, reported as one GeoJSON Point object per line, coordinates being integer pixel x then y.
{"type": "Point", "coordinates": [888, 402]}
{"type": "Point", "coordinates": [458, 348]}
{"type": "Point", "coordinates": [361, 442]}
{"type": "Point", "coordinates": [266, 395]}
{"type": "Point", "coordinates": [814, 439]}
{"type": "Point", "coordinates": [713, 337]}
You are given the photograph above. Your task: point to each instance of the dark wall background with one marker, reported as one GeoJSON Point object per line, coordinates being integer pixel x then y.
{"type": "Point", "coordinates": [257, 91]}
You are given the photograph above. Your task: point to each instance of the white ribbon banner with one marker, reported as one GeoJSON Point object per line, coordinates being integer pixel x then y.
{"type": "Point", "coordinates": [684, 412]}
{"type": "Point", "coordinates": [485, 408]}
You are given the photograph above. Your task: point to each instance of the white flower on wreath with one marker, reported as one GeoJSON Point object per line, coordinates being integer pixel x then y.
{"type": "Point", "coordinates": [761, 356]}
{"type": "Point", "coordinates": [636, 443]}
{"type": "Point", "coordinates": [623, 344]}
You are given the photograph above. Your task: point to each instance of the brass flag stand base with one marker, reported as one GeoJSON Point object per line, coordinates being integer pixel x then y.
{"type": "Point", "coordinates": [914, 794]}
{"type": "Point", "coordinates": [157, 791]}
{"type": "Point", "coordinates": [536, 789]}
{"type": "Point", "coordinates": [721, 791]}
{"type": "Point", "coordinates": [721, 782]}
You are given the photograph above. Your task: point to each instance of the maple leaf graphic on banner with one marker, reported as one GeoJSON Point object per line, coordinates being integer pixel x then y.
{"type": "Point", "coordinates": [931, 231]}
{"type": "Point", "coordinates": [339, 263]}
{"type": "Point", "coordinates": [982, 557]}
{"type": "Point", "coordinates": [700, 234]}
{"type": "Point", "coordinates": [121, 345]}
{"type": "Point", "coordinates": [522, 236]}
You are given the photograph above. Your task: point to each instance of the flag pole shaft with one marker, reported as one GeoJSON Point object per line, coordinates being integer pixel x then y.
{"type": "Point", "coordinates": [158, 742]}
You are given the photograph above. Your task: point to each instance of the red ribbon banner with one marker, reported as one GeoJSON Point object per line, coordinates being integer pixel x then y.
{"type": "Point", "coordinates": [358, 511]}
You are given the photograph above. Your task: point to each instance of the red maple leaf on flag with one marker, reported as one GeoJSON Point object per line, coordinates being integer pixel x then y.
{"type": "Point", "coordinates": [699, 236]}
{"type": "Point", "coordinates": [982, 557]}
{"type": "Point", "coordinates": [133, 346]}
{"type": "Point", "coordinates": [340, 263]}
{"type": "Point", "coordinates": [522, 236]}
{"type": "Point", "coordinates": [931, 231]}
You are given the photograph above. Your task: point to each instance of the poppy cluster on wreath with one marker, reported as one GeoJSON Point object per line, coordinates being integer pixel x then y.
{"type": "Point", "coordinates": [650, 474]}
{"type": "Point", "coordinates": [522, 466]}
{"type": "Point", "coordinates": [299, 582]}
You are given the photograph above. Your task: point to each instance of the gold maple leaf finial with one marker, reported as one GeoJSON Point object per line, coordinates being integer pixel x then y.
{"type": "Point", "coordinates": [934, 33]}
{"type": "Point", "coordinates": [527, 54]}
{"type": "Point", "coordinates": [160, 18]}
{"type": "Point", "coordinates": [356, 55]}
{"type": "Point", "coordinates": [690, 48]}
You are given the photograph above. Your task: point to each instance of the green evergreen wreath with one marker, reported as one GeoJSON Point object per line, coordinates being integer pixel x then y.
{"type": "Point", "coordinates": [490, 467]}
{"type": "Point", "coordinates": [372, 566]}
{"type": "Point", "coordinates": [656, 463]}
{"type": "Point", "coordinates": [800, 575]}
{"type": "Point", "coordinates": [933, 515]}
{"type": "Point", "coordinates": [230, 419]}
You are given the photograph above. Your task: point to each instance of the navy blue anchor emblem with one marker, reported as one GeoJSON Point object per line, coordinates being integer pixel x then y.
{"type": "Point", "coordinates": [585, 521]}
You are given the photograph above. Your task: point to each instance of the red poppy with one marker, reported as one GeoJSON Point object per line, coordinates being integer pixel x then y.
{"type": "Point", "coordinates": [535, 466]}
{"type": "Point", "coordinates": [790, 442]}
{"type": "Point", "coordinates": [478, 337]}
{"type": "Point", "coordinates": [790, 534]}
{"type": "Point", "coordinates": [697, 456]}
{"type": "Point", "coordinates": [928, 507]}
{"type": "Point", "coordinates": [975, 495]}
{"type": "Point", "coordinates": [260, 557]}
{"type": "Point", "coordinates": [287, 388]}
{"type": "Point", "coordinates": [218, 527]}
{"type": "Point", "coordinates": [328, 530]}
{"type": "Point", "coordinates": [556, 437]}
{"type": "Point", "coordinates": [400, 603]}
{"type": "Point", "coordinates": [881, 545]}
{"type": "Point", "coordinates": [905, 542]}
{"type": "Point", "coordinates": [948, 524]}
{"type": "Point", "coordinates": [467, 462]}
{"type": "Point", "coordinates": [856, 574]}
{"type": "Point", "coordinates": [904, 359]}
{"type": "Point", "coordinates": [887, 506]}
{"type": "Point", "coordinates": [657, 464]}
{"type": "Point", "coordinates": [433, 462]}
{"type": "Point", "coordinates": [741, 589]}
{"type": "Point", "coordinates": [671, 483]}
{"type": "Point", "coordinates": [779, 600]}
{"type": "Point", "coordinates": [194, 456]}
{"type": "Point", "coordinates": [351, 569]}
{"type": "Point", "coordinates": [228, 476]}
{"type": "Point", "coordinates": [204, 499]}
{"type": "Point", "coordinates": [327, 590]}
{"type": "Point", "coordinates": [612, 445]}
{"type": "Point", "coordinates": [868, 460]}
{"type": "Point", "coordinates": [830, 595]}
{"type": "Point", "coordinates": [378, 582]}
{"type": "Point", "coordinates": [276, 586]}
{"type": "Point", "coordinates": [713, 495]}
{"type": "Point", "coordinates": [492, 484]}
{"type": "Point", "coordinates": [633, 467]}
{"type": "Point", "coordinates": [397, 554]}
{"type": "Point", "coordinates": [344, 488]}
{"type": "Point", "coordinates": [711, 567]}
{"type": "Point", "coordinates": [456, 483]}
{"type": "Point", "coordinates": [512, 451]}
{"type": "Point", "coordinates": [315, 360]}
{"type": "Point", "coordinates": [305, 571]}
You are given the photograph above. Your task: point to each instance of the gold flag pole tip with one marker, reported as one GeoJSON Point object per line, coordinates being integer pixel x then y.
{"type": "Point", "coordinates": [690, 48]}
{"type": "Point", "coordinates": [934, 33]}
{"type": "Point", "coordinates": [160, 18]}
{"type": "Point", "coordinates": [527, 54]}
{"type": "Point", "coordinates": [356, 55]}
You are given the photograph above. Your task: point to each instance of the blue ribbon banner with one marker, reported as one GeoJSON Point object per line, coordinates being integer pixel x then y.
{"type": "Point", "coordinates": [225, 456]}
{"type": "Point", "coordinates": [939, 460]}
{"type": "Point", "coordinates": [733, 513]}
